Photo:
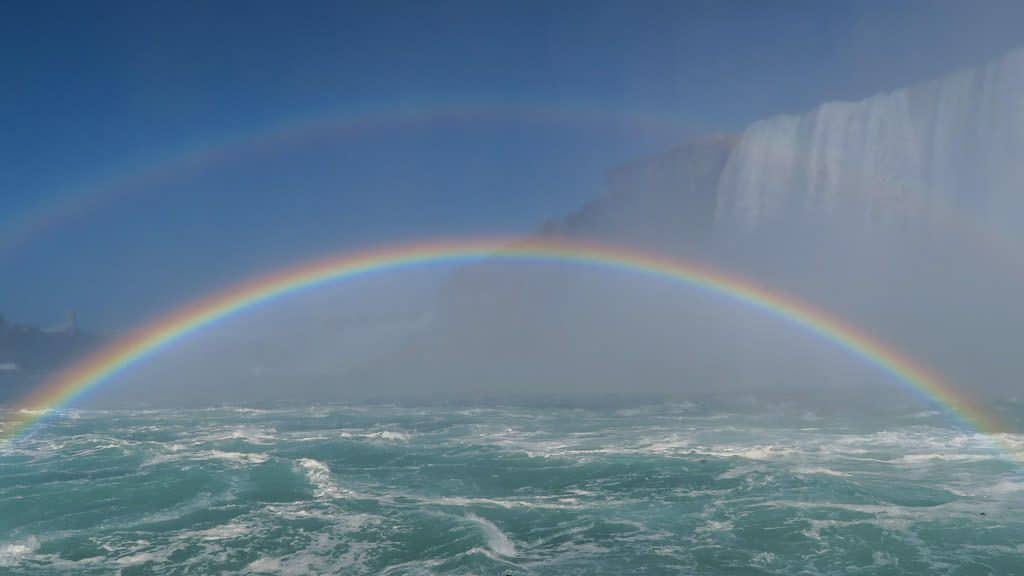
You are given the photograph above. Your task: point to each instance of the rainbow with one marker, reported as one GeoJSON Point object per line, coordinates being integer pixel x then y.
{"type": "Point", "coordinates": [69, 385]}
{"type": "Point", "coordinates": [212, 150]}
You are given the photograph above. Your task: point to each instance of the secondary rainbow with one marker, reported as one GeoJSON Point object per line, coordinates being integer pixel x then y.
{"type": "Point", "coordinates": [211, 150]}
{"type": "Point", "coordinates": [64, 388]}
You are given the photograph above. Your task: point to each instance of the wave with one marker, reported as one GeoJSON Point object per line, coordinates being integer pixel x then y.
{"type": "Point", "coordinates": [139, 558]}
{"type": "Point", "coordinates": [462, 498]}
{"type": "Point", "coordinates": [319, 476]}
{"type": "Point", "coordinates": [247, 434]}
{"type": "Point", "coordinates": [178, 454]}
{"type": "Point", "coordinates": [947, 457]}
{"type": "Point", "coordinates": [378, 435]}
{"type": "Point", "coordinates": [497, 540]}
{"type": "Point", "coordinates": [224, 531]}
{"type": "Point", "coordinates": [811, 470]}
{"type": "Point", "coordinates": [265, 565]}
{"type": "Point", "coordinates": [234, 457]}
{"type": "Point", "coordinates": [12, 553]}
{"type": "Point", "coordinates": [716, 526]}
{"type": "Point", "coordinates": [508, 504]}
{"type": "Point", "coordinates": [1002, 489]}
{"type": "Point", "coordinates": [757, 452]}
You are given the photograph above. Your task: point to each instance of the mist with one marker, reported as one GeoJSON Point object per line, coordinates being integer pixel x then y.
{"type": "Point", "coordinates": [895, 213]}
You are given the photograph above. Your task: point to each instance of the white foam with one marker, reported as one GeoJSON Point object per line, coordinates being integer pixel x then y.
{"type": "Point", "coordinates": [497, 540]}
{"type": "Point", "coordinates": [509, 504]}
{"type": "Point", "coordinates": [177, 453]}
{"type": "Point", "coordinates": [880, 558]}
{"type": "Point", "coordinates": [762, 559]}
{"type": "Point", "coordinates": [809, 470]}
{"type": "Point", "coordinates": [814, 531]}
{"type": "Point", "coordinates": [265, 566]}
{"type": "Point", "coordinates": [710, 526]}
{"type": "Point", "coordinates": [319, 476]}
{"type": "Point", "coordinates": [12, 553]}
{"type": "Point", "coordinates": [669, 445]}
{"type": "Point", "coordinates": [379, 435]}
{"type": "Point", "coordinates": [739, 472]}
{"type": "Point", "coordinates": [224, 532]}
{"type": "Point", "coordinates": [235, 457]}
{"type": "Point", "coordinates": [244, 410]}
{"type": "Point", "coordinates": [139, 558]}
{"type": "Point", "coordinates": [757, 452]}
{"type": "Point", "coordinates": [1004, 487]}
{"type": "Point", "coordinates": [252, 435]}
{"type": "Point", "coordinates": [389, 435]}
{"type": "Point", "coordinates": [945, 457]}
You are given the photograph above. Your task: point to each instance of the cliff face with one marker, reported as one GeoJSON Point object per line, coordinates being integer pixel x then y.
{"type": "Point", "coordinates": [665, 202]}
{"type": "Point", "coordinates": [945, 152]}
{"type": "Point", "coordinates": [880, 211]}
{"type": "Point", "coordinates": [529, 330]}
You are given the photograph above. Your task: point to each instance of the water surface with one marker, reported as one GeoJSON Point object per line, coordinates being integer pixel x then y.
{"type": "Point", "coordinates": [387, 490]}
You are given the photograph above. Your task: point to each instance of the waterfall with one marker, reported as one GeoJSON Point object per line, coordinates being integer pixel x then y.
{"type": "Point", "coordinates": [948, 148]}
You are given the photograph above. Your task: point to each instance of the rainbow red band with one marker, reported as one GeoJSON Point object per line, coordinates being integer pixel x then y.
{"type": "Point", "coordinates": [64, 388]}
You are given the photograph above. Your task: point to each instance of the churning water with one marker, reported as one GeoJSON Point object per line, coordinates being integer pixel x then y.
{"type": "Point", "coordinates": [387, 490]}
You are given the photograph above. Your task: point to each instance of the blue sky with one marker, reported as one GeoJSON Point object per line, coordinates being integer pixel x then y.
{"type": "Point", "coordinates": [95, 93]}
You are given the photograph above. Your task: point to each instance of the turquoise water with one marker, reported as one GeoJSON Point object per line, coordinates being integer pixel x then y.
{"type": "Point", "coordinates": [388, 490]}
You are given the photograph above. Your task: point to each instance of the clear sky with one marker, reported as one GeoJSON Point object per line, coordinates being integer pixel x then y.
{"type": "Point", "coordinates": [153, 151]}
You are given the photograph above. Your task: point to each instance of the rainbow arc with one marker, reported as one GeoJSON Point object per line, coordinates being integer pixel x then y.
{"type": "Point", "coordinates": [68, 386]}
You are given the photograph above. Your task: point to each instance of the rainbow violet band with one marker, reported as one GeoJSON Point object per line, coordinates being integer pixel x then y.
{"type": "Point", "coordinates": [67, 386]}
